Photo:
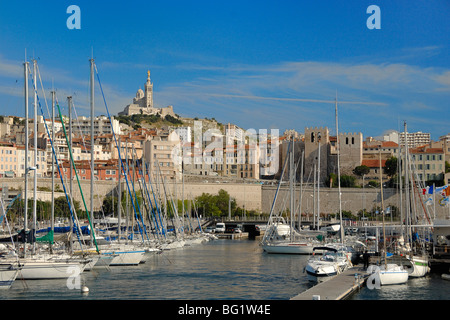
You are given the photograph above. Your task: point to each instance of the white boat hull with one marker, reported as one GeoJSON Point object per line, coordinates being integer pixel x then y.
{"type": "Point", "coordinates": [419, 267]}
{"type": "Point", "coordinates": [37, 270]}
{"type": "Point", "coordinates": [104, 261]}
{"type": "Point", "coordinates": [127, 258]}
{"type": "Point", "coordinates": [390, 275]}
{"type": "Point", "coordinates": [289, 248]}
{"type": "Point", "coordinates": [7, 277]}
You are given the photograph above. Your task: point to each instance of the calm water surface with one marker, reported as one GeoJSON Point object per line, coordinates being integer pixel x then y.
{"type": "Point", "coordinates": [217, 270]}
{"type": "Point", "coordinates": [220, 269]}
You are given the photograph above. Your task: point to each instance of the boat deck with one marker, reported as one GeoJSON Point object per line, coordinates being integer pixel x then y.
{"type": "Point", "coordinates": [338, 287]}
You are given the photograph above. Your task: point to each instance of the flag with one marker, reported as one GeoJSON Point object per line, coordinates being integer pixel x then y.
{"type": "Point", "coordinates": [430, 190]}
{"type": "Point", "coordinates": [444, 190]}
{"type": "Point", "coordinates": [444, 201]}
{"type": "Point", "coordinates": [429, 201]}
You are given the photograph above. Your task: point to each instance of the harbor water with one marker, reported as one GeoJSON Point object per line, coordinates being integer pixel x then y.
{"type": "Point", "coordinates": [216, 270]}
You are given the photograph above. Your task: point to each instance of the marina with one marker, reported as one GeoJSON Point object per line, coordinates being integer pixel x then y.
{"type": "Point", "coordinates": [219, 270]}
{"type": "Point", "coordinates": [138, 202]}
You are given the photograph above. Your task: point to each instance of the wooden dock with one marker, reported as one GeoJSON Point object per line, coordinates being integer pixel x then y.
{"type": "Point", "coordinates": [338, 287]}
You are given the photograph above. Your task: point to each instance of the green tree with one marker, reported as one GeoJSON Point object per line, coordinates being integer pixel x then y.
{"type": "Point", "coordinates": [361, 170]}
{"type": "Point", "coordinates": [390, 168]}
{"type": "Point", "coordinates": [348, 181]}
{"type": "Point", "coordinates": [215, 205]}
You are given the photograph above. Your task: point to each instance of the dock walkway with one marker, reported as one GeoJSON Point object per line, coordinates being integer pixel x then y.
{"type": "Point", "coordinates": [338, 287]}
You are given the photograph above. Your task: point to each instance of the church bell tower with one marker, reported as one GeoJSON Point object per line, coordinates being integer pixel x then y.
{"type": "Point", "coordinates": [149, 92]}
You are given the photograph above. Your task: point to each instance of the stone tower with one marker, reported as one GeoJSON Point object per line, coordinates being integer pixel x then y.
{"type": "Point", "coordinates": [315, 137]}
{"type": "Point", "coordinates": [350, 151]}
{"type": "Point", "coordinates": [148, 92]}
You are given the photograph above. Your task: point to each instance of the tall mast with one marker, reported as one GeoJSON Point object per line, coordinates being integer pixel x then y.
{"type": "Point", "coordinates": [291, 187]}
{"type": "Point", "coordinates": [382, 212]}
{"type": "Point", "coordinates": [53, 169]}
{"type": "Point", "coordinates": [339, 173]}
{"type": "Point", "coordinates": [92, 139]}
{"type": "Point", "coordinates": [69, 103]}
{"type": "Point", "coordinates": [300, 198]}
{"type": "Point", "coordinates": [407, 187]}
{"type": "Point", "coordinates": [35, 153]}
{"type": "Point", "coordinates": [119, 197]}
{"type": "Point", "coordinates": [25, 226]}
{"type": "Point", "coordinates": [318, 189]}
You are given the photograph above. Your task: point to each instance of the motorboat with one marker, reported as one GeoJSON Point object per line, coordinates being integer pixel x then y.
{"type": "Point", "coordinates": [332, 262]}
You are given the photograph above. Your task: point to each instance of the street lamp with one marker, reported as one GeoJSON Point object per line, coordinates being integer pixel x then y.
{"type": "Point", "coordinates": [29, 169]}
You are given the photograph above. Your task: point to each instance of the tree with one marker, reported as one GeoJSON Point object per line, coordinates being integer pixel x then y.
{"type": "Point", "coordinates": [347, 181]}
{"type": "Point", "coordinates": [361, 170]}
{"type": "Point", "coordinates": [215, 205]}
{"type": "Point", "coordinates": [390, 168]}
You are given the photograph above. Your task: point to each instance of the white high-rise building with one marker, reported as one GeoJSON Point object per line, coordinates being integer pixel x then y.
{"type": "Point", "coordinates": [415, 139]}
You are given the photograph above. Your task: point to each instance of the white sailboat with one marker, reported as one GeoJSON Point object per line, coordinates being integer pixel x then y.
{"type": "Point", "coordinates": [387, 273]}
{"type": "Point", "coordinates": [8, 274]}
{"type": "Point", "coordinates": [35, 267]}
{"type": "Point", "coordinates": [417, 262]}
{"type": "Point", "coordinates": [280, 237]}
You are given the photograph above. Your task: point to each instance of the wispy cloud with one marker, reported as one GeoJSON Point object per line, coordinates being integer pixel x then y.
{"type": "Point", "coordinates": [371, 96]}
{"type": "Point", "coordinates": [296, 93]}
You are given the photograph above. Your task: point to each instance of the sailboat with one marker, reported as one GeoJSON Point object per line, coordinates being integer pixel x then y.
{"type": "Point", "coordinates": [281, 237]}
{"type": "Point", "coordinates": [9, 271]}
{"type": "Point", "coordinates": [411, 254]}
{"type": "Point", "coordinates": [35, 266]}
{"type": "Point", "coordinates": [387, 273]}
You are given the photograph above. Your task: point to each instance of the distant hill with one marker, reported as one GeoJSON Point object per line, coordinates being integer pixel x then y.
{"type": "Point", "coordinates": [137, 121]}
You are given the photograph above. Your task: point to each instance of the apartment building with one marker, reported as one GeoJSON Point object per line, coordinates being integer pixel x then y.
{"type": "Point", "coordinates": [82, 126]}
{"type": "Point", "coordinates": [429, 163]}
{"type": "Point", "coordinates": [161, 155]}
{"type": "Point", "coordinates": [40, 165]}
{"type": "Point", "coordinates": [8, 159]}
{"type": "Point", "coordinates": [415, 139]}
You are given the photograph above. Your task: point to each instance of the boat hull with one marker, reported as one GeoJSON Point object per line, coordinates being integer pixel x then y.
{"type": "Point", "coordinates": [7, 277]}
{"type": "Point", "coordinates": [37, 270]}
{"type": "Point", "coordinates": [390, 275]}
{"type": "Point", "coordinates": [289, 248]}
{"type": "Point", "coordinates": [126, 258]}
{"type": "Point", "coordinates": [419, 267]}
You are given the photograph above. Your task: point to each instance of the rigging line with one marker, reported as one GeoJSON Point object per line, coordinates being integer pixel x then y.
{"type": "Point", "coordinates": [276, 194]}
{"type": "Point", "coordinates": [6, 219]}
{"type": "Point", "coordinates": [115, 139]}
{"type": "Point", "coordinates": [156, 202]}
{"type": "Point", "coordinates": [84, 145]}
{"type": "Point", "coordinates": [56, 161]}
{"type": "Point", "coordinates": [170, 200]}
{"type": "Point", "coordinates": [141, 229]}
{"type": "Point", "coordinates": [76, 174]}
{"type": "Point", "coordinates": [143, 186]}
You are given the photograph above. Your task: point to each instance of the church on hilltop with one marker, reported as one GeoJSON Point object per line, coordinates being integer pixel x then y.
{"type": "Point", "coordinates": [143, 103]}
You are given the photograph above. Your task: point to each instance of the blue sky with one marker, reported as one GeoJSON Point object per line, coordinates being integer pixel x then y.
{"type": "Point", "coordinates": [258, 64]}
